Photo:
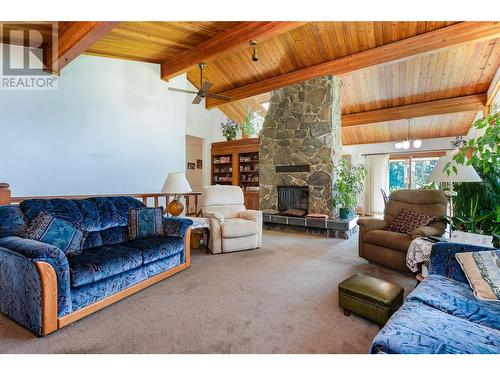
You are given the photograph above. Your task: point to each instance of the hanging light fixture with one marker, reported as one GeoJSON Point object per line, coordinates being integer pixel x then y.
{"type": "Point", "coordinates": [405, 145]}
{"type": "Point", "coordinates": [255, 54]}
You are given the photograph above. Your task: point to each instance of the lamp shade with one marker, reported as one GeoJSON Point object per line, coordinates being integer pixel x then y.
{"type": "Point", "coordinates": [176, 183]}
{"type": "Point", "coordinates": [465, 173]}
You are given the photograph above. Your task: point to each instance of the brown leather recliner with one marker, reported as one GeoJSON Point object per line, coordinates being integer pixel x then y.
{"type": "Point", "coordinates": [389, 248]}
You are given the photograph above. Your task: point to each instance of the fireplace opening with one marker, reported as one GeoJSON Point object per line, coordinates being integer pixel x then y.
{"type": "Point", "coordinates": [293, 200]}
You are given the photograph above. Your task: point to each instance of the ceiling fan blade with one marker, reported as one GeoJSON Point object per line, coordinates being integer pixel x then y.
{"type": "Point", "coordinates": [205, 87]}
{"type": "Point", "coordinates": [216, 96]}
{"type": "Point", "coordinates": [197, 99]}
{"type": "Point", "coordinates": [181, 90]}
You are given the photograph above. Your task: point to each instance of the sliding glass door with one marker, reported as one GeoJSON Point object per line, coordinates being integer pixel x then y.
{"type": "Point", "coordinates": [411, 171]}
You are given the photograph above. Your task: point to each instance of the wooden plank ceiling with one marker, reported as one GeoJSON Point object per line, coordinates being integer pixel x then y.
{"type": "Point", "coordinates": [460, 70]}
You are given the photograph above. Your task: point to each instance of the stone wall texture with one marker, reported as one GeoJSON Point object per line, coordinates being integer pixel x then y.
{"type": "Point", "coordinates": [302, 126]}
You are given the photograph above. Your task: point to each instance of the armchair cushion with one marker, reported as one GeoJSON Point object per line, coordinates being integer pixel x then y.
{"type": "Point", "coordinates": [234, 228]}
{"type": "Point", "coordinates": [384, 238]}
{"type": "Point", "coordinates": [371, 224]}
{"type": "Point", "coordinates": [250, 215]}
{"type": "Point", "coordinates": [102, 262]}
{"type": "Point", "coordinates": [145, 222]}
{"type": "Point", "coordinates": [408, 220]}
{"type": "Point", "coordinates": [57, 232]}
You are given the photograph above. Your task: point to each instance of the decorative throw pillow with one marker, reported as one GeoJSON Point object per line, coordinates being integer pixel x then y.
{"type": "Point", "coordinates": [482, 269]}
{"type": "Point", "coordinates": [145, 222]}
{"type": "Point", "coordinates": [57, 232]}
{"type": "Point", "coordinates": [294, 212]}
{"type": "Point", "coordinates": [408, 220]}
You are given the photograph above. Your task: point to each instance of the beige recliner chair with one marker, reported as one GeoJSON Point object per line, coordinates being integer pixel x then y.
{"type": "Point", "coordinates": [389, 248]}
{"type": "Point", "coordinates": [232, 226]}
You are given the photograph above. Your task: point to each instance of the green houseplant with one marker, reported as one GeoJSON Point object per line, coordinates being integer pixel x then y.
{"type": "Point", "coordinates": [348, 187]}
{"type": "Point", "coordinates": [252, 124]}
{"type": "Point", "coordinates": [229, 129]}
{"type": "Point", "coordinates": [476, 205]}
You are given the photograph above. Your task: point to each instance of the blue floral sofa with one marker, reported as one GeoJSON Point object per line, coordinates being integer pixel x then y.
{"type": "Point", "coordinates": [43, 289]}
{"type": "Point", "coordinates": [442, 315]}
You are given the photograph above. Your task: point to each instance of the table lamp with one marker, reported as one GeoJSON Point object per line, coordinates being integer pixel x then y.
{"type": "Point", "coordinates": [465, 173]}
{"type": "Point", "coordinates": [177, 184]}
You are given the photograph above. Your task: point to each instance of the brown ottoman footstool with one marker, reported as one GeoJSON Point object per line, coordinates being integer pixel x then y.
{"type": "Point", "coordinates": [370, 297]}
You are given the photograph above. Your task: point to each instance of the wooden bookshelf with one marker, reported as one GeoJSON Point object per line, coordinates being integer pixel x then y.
{"type": "Point", "coordinates": [237, 163]}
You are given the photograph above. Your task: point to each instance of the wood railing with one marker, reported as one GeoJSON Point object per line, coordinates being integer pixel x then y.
{"type": "Point", "coordinates": [146, 198]}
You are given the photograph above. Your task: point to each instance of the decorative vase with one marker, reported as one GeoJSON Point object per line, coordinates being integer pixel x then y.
{"type": "Point", "coordinates": [245, 136]}
{"type": "Point", "coordinates": [346, 213]}
{"type": "Point", "coordinates": [229, 138]}
{"type": "Point", "coordinates": [175, 207]}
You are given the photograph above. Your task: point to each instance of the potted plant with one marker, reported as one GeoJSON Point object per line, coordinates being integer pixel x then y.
{"type": "Point", "coordinates": [229, 129]}
{"type": "Point", "coordinates": [348, 186]}
{"type": "Point", "coordinates": [476, 206]}
{"type": "Point", "coordinates": [252, 124]}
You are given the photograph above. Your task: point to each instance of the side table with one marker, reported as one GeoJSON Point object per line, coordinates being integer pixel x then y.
{"type": "Point", "coordinates": [201, 226]}
{"type": "Point", "coordinates": [417, 257]}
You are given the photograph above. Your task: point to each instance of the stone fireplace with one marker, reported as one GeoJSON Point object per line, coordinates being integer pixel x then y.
{"type": "Point", "coordinates": [293, 197]}
{"type": "Point", "coordinates": [300, 142]}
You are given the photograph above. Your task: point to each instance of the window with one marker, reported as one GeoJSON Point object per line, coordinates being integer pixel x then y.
{"type": "Point", "coordinates": [411, 171]}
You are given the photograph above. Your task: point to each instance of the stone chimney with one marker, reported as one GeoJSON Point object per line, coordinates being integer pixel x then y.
{"type": "Point", "coordinates": [301, 136]}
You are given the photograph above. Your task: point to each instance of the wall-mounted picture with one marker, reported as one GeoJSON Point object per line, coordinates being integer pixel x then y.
{"type": "Point", "coordinates": [199, 163]}
{"type": "Point", "coordinates": [191, 166]}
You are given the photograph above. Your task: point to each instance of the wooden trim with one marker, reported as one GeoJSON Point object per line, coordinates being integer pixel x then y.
{"type": "Point", "coordinates": [423, 154]}
{"type": "Point", "coordinates": [5, 197]}
{"type": "Point", "coordinates": [228, 42]}
{"type": "Point", "coordinates": [187, 247]}
{"type": "Point", "coordinates": [437, 107]}
{"type": "Point", "coordinates": [143, 196]}
{"type": "Point", "coordinates": [48, 281]}
{"type": "Point", "coordinates": [493, 90]}
{"type": "Point", "coordinates": [74, 38]}
{"type": "Point", "coordinates": [457, 34]}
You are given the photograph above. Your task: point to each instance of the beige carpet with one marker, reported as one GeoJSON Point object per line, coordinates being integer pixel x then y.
{"type": "Point", "coordinates": [281, 298]}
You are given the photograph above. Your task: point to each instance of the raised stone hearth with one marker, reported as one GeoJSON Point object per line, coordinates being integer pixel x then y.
{"type": "Point", "coordinates": [301, 136]}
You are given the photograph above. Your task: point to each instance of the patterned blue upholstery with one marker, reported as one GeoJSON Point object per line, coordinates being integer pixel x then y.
{"type": "Point", "coordinates": [154, 248]}
{"type": "Point", "coordinates": [91, 293]}
{"type": "Point", "coordinates": [442, 315]}
{"type": "Point", "coordinates": [102, 262]}
{"type": "Point", "coordinates": [12, 222]}
{"type": "Point", "coordinates": [105, 266]}
{"type": "Point", "coordinates": [39, 251]}
{"type": "Point", "coordinates": [417, 328]}
{"type": "Point", "coordinates": [456, 298]}
{"type": "Point", "coordinates": [20, 293]}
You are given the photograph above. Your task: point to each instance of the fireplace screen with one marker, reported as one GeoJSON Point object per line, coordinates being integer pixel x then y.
{"type": "Point", "coordinates": [293, 198]}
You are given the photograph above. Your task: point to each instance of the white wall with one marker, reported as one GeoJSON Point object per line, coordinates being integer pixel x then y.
{"type": "Point", "coordinates": [111, 127]}
{"type": "Point", "coordinates": [204, 124]}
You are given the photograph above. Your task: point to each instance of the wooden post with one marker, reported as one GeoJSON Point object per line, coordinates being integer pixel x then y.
{"type": "Point", "coordinates": [4, 194]}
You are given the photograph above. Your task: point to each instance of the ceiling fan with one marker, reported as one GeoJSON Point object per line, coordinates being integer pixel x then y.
{"type": "Point", "coordinates": [204, 87]}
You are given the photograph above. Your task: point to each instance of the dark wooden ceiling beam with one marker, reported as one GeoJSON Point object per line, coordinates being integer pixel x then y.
{"type": "Point", "coordinates": [229, 41]}
{"type": "Point", "coordinates": [437, 107]}
{"type": "Point", "coordinates": [461, 33]}
{"type": "Point", "coordinates": [74, 38]}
